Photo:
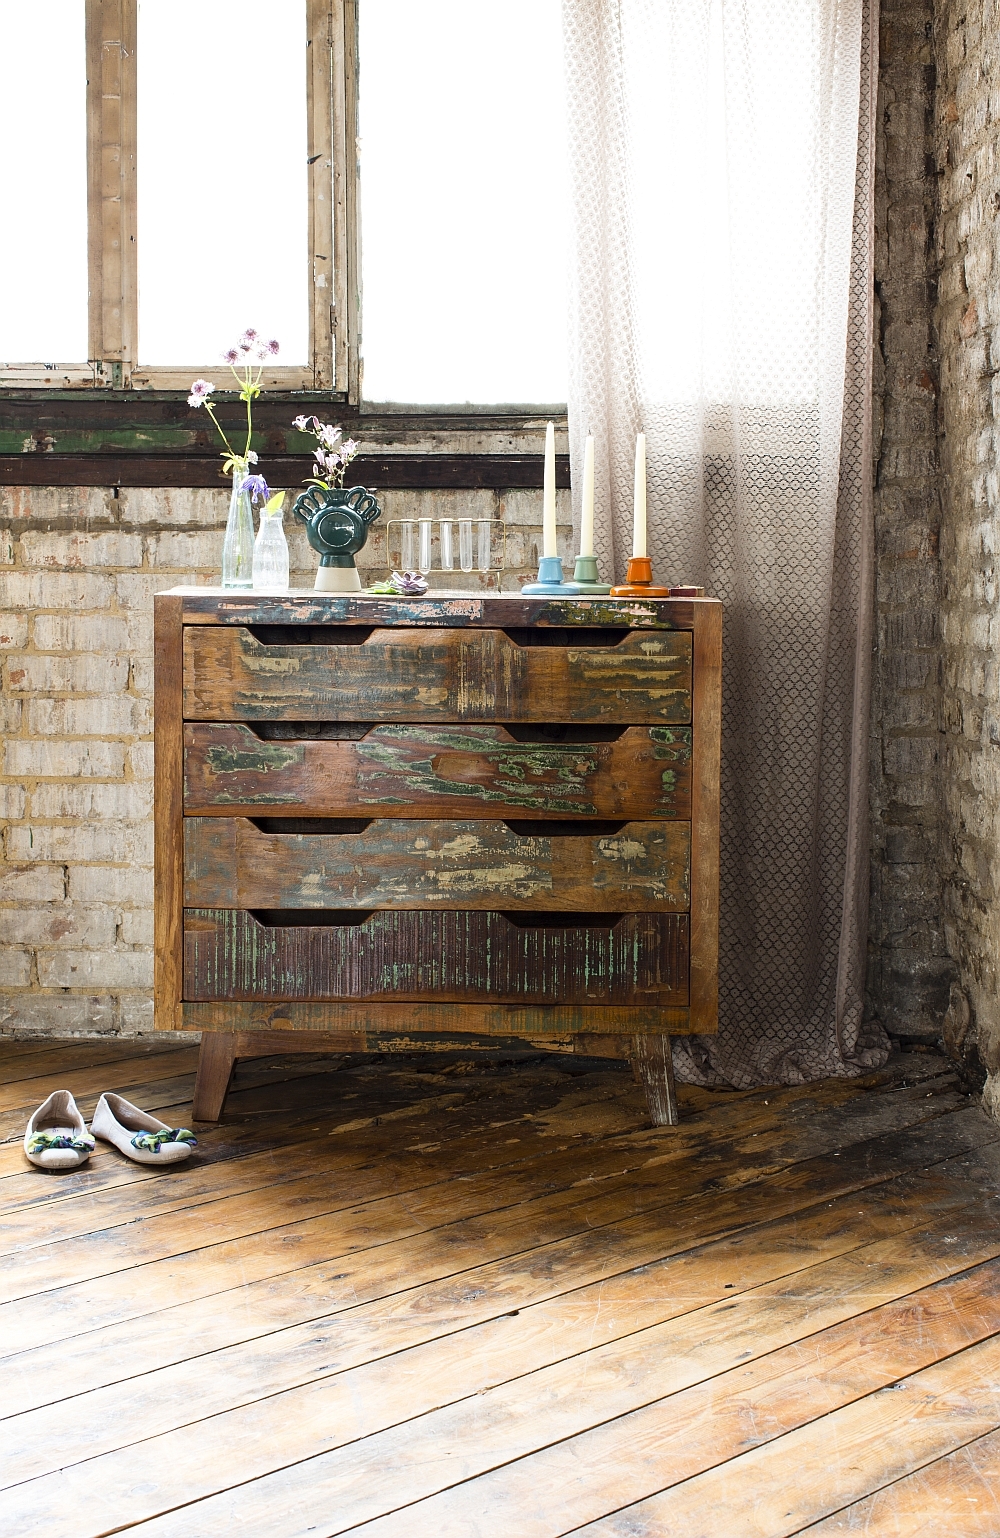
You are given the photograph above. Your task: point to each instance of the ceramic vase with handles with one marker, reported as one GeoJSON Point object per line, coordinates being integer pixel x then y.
{"type": "Point", "coordinates": [337, 521]}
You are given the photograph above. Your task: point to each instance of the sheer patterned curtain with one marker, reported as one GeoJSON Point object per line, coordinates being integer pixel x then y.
{"type": "Point", "coordinates": [722, 164]}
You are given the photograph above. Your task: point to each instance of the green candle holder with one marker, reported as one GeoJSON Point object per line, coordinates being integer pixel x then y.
{"type": "Point", "coordinates": [585, 575]}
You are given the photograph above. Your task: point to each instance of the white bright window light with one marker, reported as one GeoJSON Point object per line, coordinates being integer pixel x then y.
{"type": "Point", "coordinates": [463, 201]}
{"type": "Point", "coordinates": [222, 220]}
{"type": "Point", "coordinates": [43, 184]}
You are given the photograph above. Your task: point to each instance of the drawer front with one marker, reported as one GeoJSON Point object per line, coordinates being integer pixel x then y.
{"type": "Point", "coordinates": [232, 862]}
{"type": "Point", "coordinates": [407, 771]}
{"type": "Point", "coordinates": [430, 676]}
{"type": "Point", "coordinates": [412, 954]}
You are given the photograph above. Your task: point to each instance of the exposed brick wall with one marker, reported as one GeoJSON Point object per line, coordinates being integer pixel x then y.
{"type": "Point", "coordinates": [967, 151]}
{"type": "Point", "coordinates": [911, 971]}
{"type": "Point", "coordinates": [78, 570]}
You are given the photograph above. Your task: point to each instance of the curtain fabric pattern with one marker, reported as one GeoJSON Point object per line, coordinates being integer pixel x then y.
{"type": "Point", "coordinates": [722, 162]}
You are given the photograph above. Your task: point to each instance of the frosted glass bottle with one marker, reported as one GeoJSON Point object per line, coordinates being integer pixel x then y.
{"type": "Point", "coordinates": [238, 547]}
{"type": "Point", "coordinates": [270, 555]}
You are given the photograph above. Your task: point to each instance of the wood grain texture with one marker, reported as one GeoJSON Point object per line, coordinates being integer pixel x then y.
{"type": "Point", "coordinates": [705, 797]}
{"type": "Point", "coordinates": [414, 1019]}
{"type": "Point", "coordinates": [454, 771]}
{"type": "Point", "coordinates": [230, 863]}
{"type": "Point", "coordinates": [168, 814]}
{"type": "Point", "coordinates": [430, 676]}
{"type": "Point", "coordinates": [413, 954]}
{"type": "Point", "coordinates": [464, 611]}
{"type": "Point", "coordinates": [654, 1065]}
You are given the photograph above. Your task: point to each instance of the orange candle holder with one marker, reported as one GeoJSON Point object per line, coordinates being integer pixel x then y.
{"type": "Point", "coordinates": [639, 581]}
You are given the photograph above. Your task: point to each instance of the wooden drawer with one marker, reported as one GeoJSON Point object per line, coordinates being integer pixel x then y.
{"type": "Point", "coordinates": [431, 675]}
{"type": "Point", "coordinates": [234, 862]}
{"type": "Point", "coordinates": [412, 954]}
{"type": "Point", "coordinates": [444, 771]}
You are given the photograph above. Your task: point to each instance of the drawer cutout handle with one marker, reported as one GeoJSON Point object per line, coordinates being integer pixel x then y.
{"type": "Point", "coordinates": [570, 733]}
{"type": "Point", "coordinates": [592, 827]}
{"type": "Point", "coordinates": [310, 731]}
{"type": "Point", "coordinates": [323, 825]}
{"type": "Point", "coordinates": [587, 636]}
{"type": "Point", "coordinates": [310, 918]}
{"type": "Point", "coordinates": [563, 920]}
{"type": "Point", "coordinates": [311, 635]}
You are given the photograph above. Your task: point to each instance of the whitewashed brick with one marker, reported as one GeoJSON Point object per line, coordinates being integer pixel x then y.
{"type": "Point", "coordinates": [31, 883]}
{"type": "Point", "coordinates": [15, 967]}
{"type": "Point", "coordinates": [6, 547]}
{"type": "Point", "coordinates": [13, 630]}
{"type": "Point", "coordinates": [62, 1014]}
{"type": "Point", "coordinates": [136, 589]}
{"type": "Point", "coordinates": [39, 504]}
{"type": "Point", "coordinates": [88, 969]}
{"type": "Point", "coordinates": [54, 590]}
{"type": "Point", "coordinates": [205, 507]}
{"type": "Point", "coordinates": [126, 800]}
{"type": "Point", "coordinates": [65, 925]}
{"type": "Point", "coordinates": [111, 884]}
{"type": "Point", "coordinates": [65, 760]}
{"type": "Point", "coordinates": [184, 552]}
{"type": "Point", "coordinates": [12, 801]}
{"type": "Point", "coordinates": [89, 844]}
{"type": "Point", "coordinates": [83, 674]}
{"type": "Point", "coordinates": [11, 712]}
{"type": "Point", "coordinates": [140, 757]}
{"type": "Point", "coordinates": [137, 926]}
{"type": "Point", "coordinates": [115, 716]}
{"type": "Point", "coordinates": [81, 633]}
{"type": "Point", "coordinates": [76, 551]}
{"type": "Point", "coordinates": [136, 1011]}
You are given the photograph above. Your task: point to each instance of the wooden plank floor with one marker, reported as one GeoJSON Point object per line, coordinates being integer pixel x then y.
{"type": "Point", "coordinates": [448, 1297]}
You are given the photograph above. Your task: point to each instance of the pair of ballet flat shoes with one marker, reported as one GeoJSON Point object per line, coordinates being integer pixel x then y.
{"type": "Point", "coordinates": [57, 1136]}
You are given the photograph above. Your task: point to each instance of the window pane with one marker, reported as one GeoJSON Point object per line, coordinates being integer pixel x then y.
{"type": "Point", "coordinates": [221, 159]}
{"type": "Point", "coordinates": [463, 200]}
{"type": "Point", "coordinates": [43, 183]}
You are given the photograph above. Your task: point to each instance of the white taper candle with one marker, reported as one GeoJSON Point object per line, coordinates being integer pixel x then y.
{"type": "Point", "coordinates": [549, 494]}
{"type": "Point", "coordinates": [639, 499]}
{"type": "Point", "coordinates": [587, 514]}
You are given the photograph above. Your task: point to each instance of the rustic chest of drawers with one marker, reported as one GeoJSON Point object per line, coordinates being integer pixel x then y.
{"type": "Point", "coordinates": [380, 823]}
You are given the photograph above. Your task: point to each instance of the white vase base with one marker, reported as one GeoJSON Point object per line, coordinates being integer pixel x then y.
{"type": "Point", "coordinates": [338, 579]}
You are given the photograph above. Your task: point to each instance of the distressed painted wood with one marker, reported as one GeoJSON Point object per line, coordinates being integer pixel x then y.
{"type": "Point", "coordinates": [168, 846]}
{"type": "Point", "coordinates": [230, 863]}
{"type": "Point", "coordinates": [654, 1068]}
{"type": "Point", "coordinates": [403, 771]}
{"type": "Point", "coordinates": [410, 1021]}
{"type": "Point", "coordinates": [464, 611]}
{"type": "Point", "coordinates": [436, 675]}
{"type": "Point", "coordinates": [413, 953]}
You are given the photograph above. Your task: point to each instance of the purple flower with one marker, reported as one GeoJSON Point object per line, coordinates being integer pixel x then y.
{"type": "Point", "coordinates": [247, 340]}
{"type": "Point", "coordinates": [273, 348]}
{"type": "Point", "coordinates": [257, 487]}
{"type": "Point", "coordinates": [232, 356]}
{"type": "Point", "coordinates": [200, 391]}
{"type": "Point", "coordinates": [409, 582]}
{"type": "Point", "coordinates": [349, 449]}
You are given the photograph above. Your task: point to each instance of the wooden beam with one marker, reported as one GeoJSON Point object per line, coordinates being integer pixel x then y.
{"type": "Point", "coordinates": [389, 472]}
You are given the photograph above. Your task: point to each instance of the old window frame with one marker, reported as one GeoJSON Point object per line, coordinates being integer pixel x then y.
{"type": "Point", "coordinates": [112, 254]}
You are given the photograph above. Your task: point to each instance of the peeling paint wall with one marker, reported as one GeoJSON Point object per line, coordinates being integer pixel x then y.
{"type": "Point", "coordinates": [78, 570]}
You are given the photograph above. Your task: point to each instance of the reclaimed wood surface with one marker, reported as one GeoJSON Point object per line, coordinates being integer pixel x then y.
{"type": "Point", "coordinates": [223, 606]}
{"type": "Point", "coordinates": [168, 814]}
{"type": "Point", "coordinates": [531, 1314]}
{"type": "Point", "coordinates": [436, 675]}
{"type": "Point", "coordinates": [412, 953]}
{"type": "Point", "coordinates": [453, 771]}
{"type": "Point", "coordinates": [230, 863]}
{"type": "Point", "coordinates": [417, 1019]}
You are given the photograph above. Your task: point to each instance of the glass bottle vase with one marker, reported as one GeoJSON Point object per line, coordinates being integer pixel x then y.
{"type": "Point", "coordinates": [270, 554]}
{"type": "Point", "coordinates": [237, 547]}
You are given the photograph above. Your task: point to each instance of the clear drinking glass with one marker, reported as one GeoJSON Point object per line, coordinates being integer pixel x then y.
{"type": "Point", "coordinates": [237, 547]}
{"type": "Point", "coordinates": [445, 531]}
{"type": "Point", "coordinates": [408, 545]}
{"type": "Point", "coordinates": [270, 554]}
{"type": "Point", "coordinates": [485, 552]}
{"type": "Point", "coordinates": [465, 543]}
{"type": "Point", "coordinates": [424, 564]}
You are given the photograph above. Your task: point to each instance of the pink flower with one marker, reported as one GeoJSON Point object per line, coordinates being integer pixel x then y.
{"type": "Point", "coordinates": [200, 391]}
{"type": "Point", "coordinates": [273, 348]}
{"type": "Point", "coordinates": [247, 340]}
{"type": "Point", "coordinates": [301, 424]}
{"type": "Point", "coordinates": [232, 356]}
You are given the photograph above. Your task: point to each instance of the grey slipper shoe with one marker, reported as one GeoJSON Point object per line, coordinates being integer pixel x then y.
{"type": "Point", "coordinates": [138, 1135]}
{"type": "Point", "coordinates": [57, 1136]}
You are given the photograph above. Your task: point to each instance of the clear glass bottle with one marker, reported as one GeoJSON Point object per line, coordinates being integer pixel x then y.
{"type": "Point", "coordinates": [485, 551]}
{"type": "Point", "coordinates": [424, 563]}
{"type": "Point", "coordinates": [407, 545]}
{"type": "Point", "coordinates": [270, 554]}
{"type": "Point", "coordinates": [465, 543]}
{"type": "Point", "coordinates": [237, 547]}
{"type": "Point", "coordinates": [445, 531]}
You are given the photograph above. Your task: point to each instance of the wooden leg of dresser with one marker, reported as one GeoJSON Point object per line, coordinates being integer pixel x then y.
{"type": "Point", "coordinates": [216, 1057]}
{"type": "Point", "coordinates": [652, 1061]}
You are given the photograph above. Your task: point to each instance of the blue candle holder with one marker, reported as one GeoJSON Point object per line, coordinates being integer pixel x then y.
{"type": "Point", "coordinates": [550, 579]}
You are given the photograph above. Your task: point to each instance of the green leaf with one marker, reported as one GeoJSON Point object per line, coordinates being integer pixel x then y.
{"type": "Point", "coordinates": [272, 507]}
